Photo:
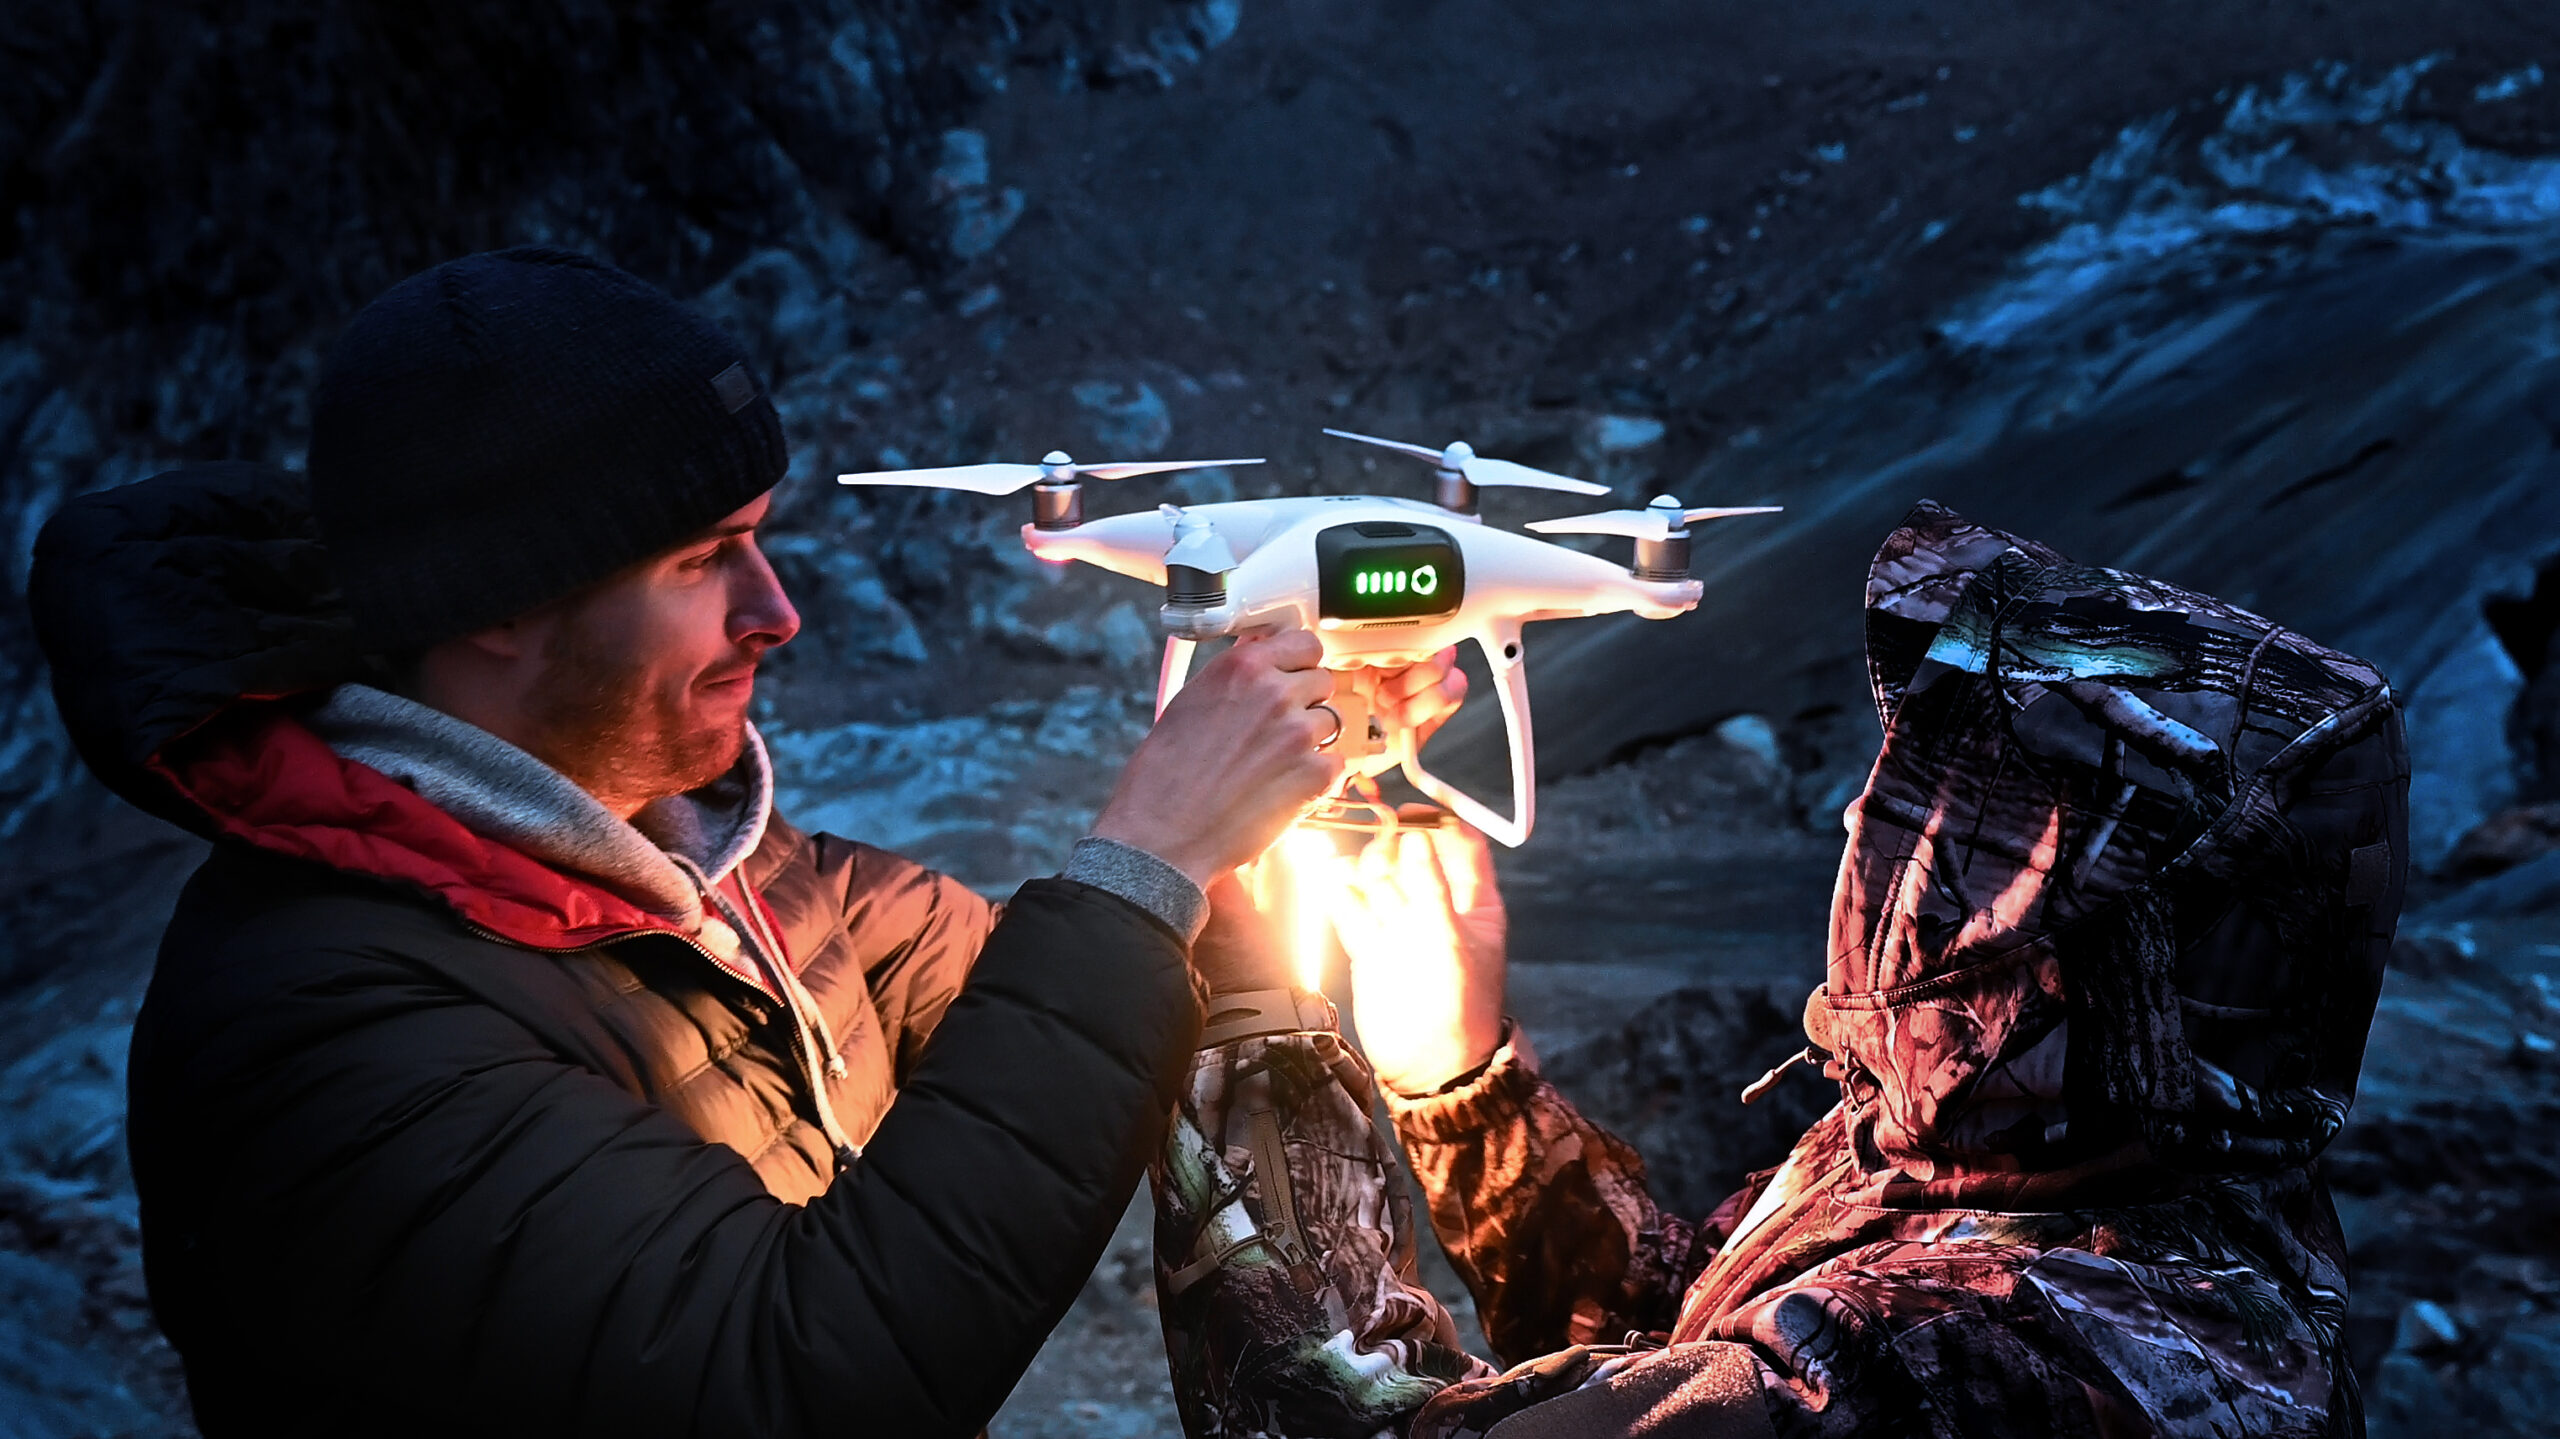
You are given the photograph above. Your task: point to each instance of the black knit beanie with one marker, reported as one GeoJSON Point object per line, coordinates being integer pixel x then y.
{"type": "Point", "coordinates": [506, 428]}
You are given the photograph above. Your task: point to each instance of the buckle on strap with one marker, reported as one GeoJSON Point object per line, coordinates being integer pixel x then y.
{"type": "Point", "coordinates": [1253, 1013]}
{"type": "Point", "coordinates": [1277, 1229]}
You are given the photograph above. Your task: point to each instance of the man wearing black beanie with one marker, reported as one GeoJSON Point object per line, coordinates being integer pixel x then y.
{"type": "Point", "coordinates": [511, 1066]}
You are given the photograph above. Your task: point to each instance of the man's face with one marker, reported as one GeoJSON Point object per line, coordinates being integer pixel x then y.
{"type": "Point", "coordinates": [646, 677]}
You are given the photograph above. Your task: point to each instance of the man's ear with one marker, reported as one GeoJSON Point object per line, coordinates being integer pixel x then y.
{"type": "Point", "coordinates": [506, 640]}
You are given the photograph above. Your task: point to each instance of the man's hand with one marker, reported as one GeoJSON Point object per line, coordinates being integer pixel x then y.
{"type": "Point", "coordinates": [1231, 761]}
{"type": "Point", "coordinates": [1242, 948]}
{"type": "Point", "coordinates": [1421, 697]}
{"type": "Point", "coordinates": [1424, 927]}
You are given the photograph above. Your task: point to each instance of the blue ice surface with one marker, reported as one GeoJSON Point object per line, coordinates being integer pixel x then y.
{"type": "Point", "coordinates": [2149, 206]}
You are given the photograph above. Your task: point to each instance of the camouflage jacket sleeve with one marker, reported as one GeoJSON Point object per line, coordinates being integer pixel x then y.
{"type": "Point", "coordinates": [1284, 1248]}
{"type": "Point", "coordinates": [1545, 1214]}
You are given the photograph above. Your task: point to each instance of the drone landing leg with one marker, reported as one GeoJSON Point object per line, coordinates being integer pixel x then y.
{"type": "Point", "coordinates": [1174, 672]}
{"type": "Point", "coordinates": [1502, 654]}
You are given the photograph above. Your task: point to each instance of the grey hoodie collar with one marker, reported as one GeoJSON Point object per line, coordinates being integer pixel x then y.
{"type": "Point", "coordinates": [500, 792]}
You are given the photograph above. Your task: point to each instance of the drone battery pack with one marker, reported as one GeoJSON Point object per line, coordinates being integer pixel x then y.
{"type": "Point", "coordinates": [1381, 572]}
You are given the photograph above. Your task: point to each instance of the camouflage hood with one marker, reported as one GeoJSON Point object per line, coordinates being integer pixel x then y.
{"type": "Point", "coordinates": [2118, 892]}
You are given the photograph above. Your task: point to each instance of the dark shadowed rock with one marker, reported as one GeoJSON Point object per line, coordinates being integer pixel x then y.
{"type": "Point", "coordinates": [1670, 1083]}
{"type": "Point", "coordinates": [2444, 1177]}
{"type": "Point", "coordinates": [2493, 1385]}
{"type": "Point", "coordinates": [2507, 839]}
{"type": "Point", "coordinates": [2531, 887]}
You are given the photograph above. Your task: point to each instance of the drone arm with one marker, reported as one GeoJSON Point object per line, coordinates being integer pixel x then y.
{"type": "Point", "coordinates": [1499, 642]}
{"type": "Point", "coordinates": [1123, 544]}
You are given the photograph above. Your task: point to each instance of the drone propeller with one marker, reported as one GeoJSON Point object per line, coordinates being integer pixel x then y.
{"type": "Point", "coordinates": [1004, 479]}
{"type": "Point", "coordinates": [1461, 459]}
{"type": "Point", "coordinates": [1656, 521]}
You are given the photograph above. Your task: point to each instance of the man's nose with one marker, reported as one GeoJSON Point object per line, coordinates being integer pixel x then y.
{"type": "Point", "coordinates": [758, 609]}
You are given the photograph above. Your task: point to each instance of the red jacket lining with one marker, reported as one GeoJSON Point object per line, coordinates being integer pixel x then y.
{"type": "Point", "coordinates": [267, 780]}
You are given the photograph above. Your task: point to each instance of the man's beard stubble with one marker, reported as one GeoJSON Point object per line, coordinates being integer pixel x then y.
{"type": "Point", "coordinates": [618, 737]}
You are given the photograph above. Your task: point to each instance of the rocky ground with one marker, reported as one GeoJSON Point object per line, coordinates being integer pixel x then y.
{"type": "Point", "coordinates": [2262, 297]}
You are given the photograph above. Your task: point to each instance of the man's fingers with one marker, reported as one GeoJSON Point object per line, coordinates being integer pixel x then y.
{"type": "Point", "coordinates": [1438, 702]}
{"type": "Point", "coordinates": [1418, 697]}
{"type": "Point", "coordinates": [1317, 725]}
{"type": "Point", "coordinates": [1418, 871]}
{"type": "Point", "coordinates": [1431, 700]}
{"type": "Point", "coordinates": [1305, 687]}
{"type": "Point", "coordinates": [1373, 869]}
{"type": "Point", "coordinates": [1357, 922]}
{"type": "Point", "coordinates": [1323, 771]}
{"type": "Point", "coordinates": [1466, 864]}
{"type": "Point", "coordinates": [1311, 776]}
{"type": "Point", "coordinates": [1413, 679]}
{"type": "Point", "coordinates": [1286, 650]}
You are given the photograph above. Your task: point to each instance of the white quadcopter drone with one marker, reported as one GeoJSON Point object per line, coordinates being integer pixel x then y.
{"type": "Point", "coordinates": [1382, 582]}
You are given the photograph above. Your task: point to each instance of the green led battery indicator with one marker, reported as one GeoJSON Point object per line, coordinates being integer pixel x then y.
{"type": "Point", "coordinates": [1386, 572]}
{"type": "Point", "coordinates": [1420, 580]}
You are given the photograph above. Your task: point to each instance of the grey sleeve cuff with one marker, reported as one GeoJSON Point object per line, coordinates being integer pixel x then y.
{"type": "Point", "coordinates": [1142, 879]}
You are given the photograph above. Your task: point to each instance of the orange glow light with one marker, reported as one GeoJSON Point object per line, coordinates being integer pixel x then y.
{"type": "Point", "coordinates": [1312, 875]}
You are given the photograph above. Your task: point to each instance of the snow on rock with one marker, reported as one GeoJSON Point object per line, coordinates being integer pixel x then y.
{"type": "Point", "coordinates": [78, 1354]}
{"type": "Point", "coordinates": [847, 615]}
{"type": "Point", "coordinates": [993, 798]}
{"type": "Point", "coordinates": [2146, 209]}
{"type": "Point", "coordinates": [2316, 379]}
{"type": "Point", "coordinates": [980, 214]}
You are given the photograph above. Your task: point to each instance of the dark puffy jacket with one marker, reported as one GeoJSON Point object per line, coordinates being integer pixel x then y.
{"type": "Point", "coordinates": [433, 1139]}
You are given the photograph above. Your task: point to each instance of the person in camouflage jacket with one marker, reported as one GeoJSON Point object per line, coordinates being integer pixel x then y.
{"type": "Point", "coordinates": [2105, 947]}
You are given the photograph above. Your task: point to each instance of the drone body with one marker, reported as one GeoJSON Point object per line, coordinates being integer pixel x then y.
{"type": "Point", "coordinates": [1382, 582]}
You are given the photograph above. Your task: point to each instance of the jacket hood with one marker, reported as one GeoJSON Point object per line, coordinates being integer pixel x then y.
{"type": "Point", "coordinates": [2120, 886]}
{"type": "Point", "coordinates": [199, 656]}
{"type": "Point", "coordinates": [164, 603]}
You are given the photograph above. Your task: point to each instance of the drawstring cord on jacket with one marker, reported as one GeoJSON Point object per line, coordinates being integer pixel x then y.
{"type": "Point", "coordinates": [817, 1052]}
{"type": "Point", "coordinates": [771, 938]}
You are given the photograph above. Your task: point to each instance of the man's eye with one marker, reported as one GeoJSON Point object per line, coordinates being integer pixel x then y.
{"type": "Point", "coordinates": [700, 561]}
